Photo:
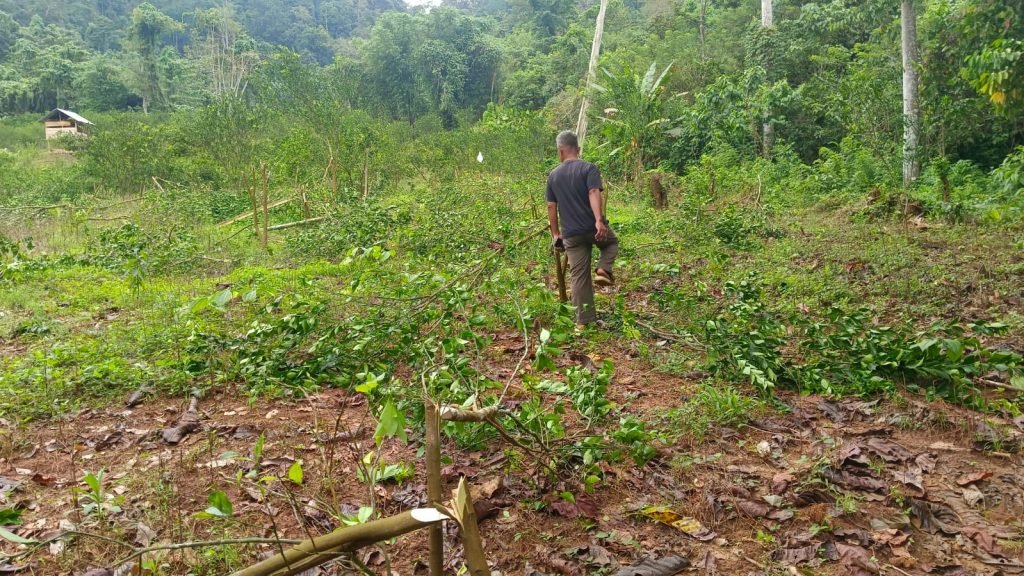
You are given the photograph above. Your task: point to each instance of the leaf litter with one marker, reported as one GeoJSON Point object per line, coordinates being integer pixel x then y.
{"type": "Point", "coordinates": [735, 495]}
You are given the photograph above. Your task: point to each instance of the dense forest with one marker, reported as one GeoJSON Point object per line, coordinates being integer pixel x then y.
{"type": "Point", "coordinates": [293, 279]}
{"type": "Point", "coordinates": [824, 74]}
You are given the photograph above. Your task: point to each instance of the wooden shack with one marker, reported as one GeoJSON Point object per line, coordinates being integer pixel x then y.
{"type": "Point", "coordinates": [61, 122]}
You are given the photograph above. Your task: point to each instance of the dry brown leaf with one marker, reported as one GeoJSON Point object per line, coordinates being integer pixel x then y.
{"type": "Point", "coordinates": [933, 517]}
{"type": "Point", "coordinates": [691, 526]}
{"type": "Point", "coordinates": [707, 563]}
{"type": "Point", "coordinates": [910, 478]}
{"type": "Point", "coordinates": [488, 489]}
{"type": "Point", "coordinates": [753, 509]}
{"type": "Point", "coordinates": [794, 556]}
{"type": "Point", "coordinates": [781, 481]}
{"type": "Point", "coordinates": [888, 450]}
{"type": "Point", "coordinates": [984, 539]}
{"type": "Point", "coordinates": [972, 477]}
{"type": "Point", "coordinates": [667, 566]}
{"type": "Point", "coordinates": [853, 453]}
{"type": "Point", "coordinates": [856, 560]}
{"type": "Point", "coordinates": [890, 536]}
{"type": "Point", "coordinates": [972, 496]}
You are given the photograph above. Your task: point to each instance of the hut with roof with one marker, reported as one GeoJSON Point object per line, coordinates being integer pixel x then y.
{"type": "Point", "coordinates": [60, 122]}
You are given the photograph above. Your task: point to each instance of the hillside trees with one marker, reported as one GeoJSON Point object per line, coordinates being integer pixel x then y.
{"type": "Point", "coordinates": [224, 52]}
{"type": "Point", "coordinates": [148, 28]}
{"type": "Point", "coordinates": [439, 62]}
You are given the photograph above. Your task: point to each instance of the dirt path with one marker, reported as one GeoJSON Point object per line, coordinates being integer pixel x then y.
{"type": "Point", "coordinates": [898, 486]}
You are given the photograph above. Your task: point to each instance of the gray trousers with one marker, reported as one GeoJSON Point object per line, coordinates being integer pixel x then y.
{"type": "Point", "coordinates": [579, 249]}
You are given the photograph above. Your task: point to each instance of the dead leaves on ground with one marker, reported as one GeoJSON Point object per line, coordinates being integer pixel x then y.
{"type": "Point", "coordinates": [685, 524]}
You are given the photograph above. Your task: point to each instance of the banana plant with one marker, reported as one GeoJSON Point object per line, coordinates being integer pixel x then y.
{"type": "Point", "coordinates": [632, 118]}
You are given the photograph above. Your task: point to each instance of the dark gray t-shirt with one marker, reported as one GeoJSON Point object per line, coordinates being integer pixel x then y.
{"type": "Point", "coordinates": [569, 185]}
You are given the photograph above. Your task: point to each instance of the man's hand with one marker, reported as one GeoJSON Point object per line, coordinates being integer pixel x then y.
{"type": "Point", "coordinates": [602, 231]}
{"type": "Point", "coordinates": [557, 244]}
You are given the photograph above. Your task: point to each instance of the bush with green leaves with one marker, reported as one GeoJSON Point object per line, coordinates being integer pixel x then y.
{"type": "Point", "coordinates": [849, 352]}
{"type": "Point", "coordinates": [136, 252]}
{"type": "Point", "coordinates": [746, 340]}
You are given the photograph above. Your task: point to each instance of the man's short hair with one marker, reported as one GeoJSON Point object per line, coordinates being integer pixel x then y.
{"type": "Point", "coordinates": [567, 139]}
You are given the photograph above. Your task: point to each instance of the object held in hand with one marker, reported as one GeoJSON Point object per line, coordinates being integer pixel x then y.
{"type": "Point", "coordinates": [559, 245]}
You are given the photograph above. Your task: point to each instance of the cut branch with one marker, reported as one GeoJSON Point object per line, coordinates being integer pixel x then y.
{"type": "Point", "coordinates": [248, 213]}
{"type": "Point", "coordinates": [322, 549]}
{"type": "Point", "coordinates": [297, 223]}
{"type": "Point", "coordinates": [453, 414]}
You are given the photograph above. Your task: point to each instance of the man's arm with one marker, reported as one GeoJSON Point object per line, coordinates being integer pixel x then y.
{"type": "Point", "coordinates": [595, 205]}
{"type": "Point", "coordinates": [594, 187]}
{"type": "Point", "coordinates": [553, 219]}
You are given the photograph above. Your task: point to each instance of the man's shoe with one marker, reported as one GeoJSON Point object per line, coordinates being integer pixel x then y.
{"type": "Point", "coordinates": [604, 278]}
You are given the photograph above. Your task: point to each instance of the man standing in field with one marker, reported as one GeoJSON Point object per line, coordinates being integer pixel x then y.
{"type": "Point", "coordinates": [574, 196]}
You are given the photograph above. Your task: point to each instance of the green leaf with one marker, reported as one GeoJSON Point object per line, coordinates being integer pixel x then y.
{"type": "Point", "coordinates": [365, 513]}
{"type": "Point", "coordinates": [93, 482]}
{"type": "Point", "coordinates": [220, 506]}
{"type": "Point", "coordinates": [295, 473]}
{"type": "Point", "coordinates": [7, 535]}
{"type": "Point", "coordinates": [954, 350]}
{"type": "Point", "coordinates": [200, 305]}
{"type": "Point", "coordinates": [367, 387]}
{"type": "Point", "coordinates": [392, 423]}
{"type": "Point", "coordinates": [221, 299]}
{"type": "Point", "coordinates": [10, 517]}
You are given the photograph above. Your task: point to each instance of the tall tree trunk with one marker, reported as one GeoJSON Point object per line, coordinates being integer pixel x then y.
{"type": "Point", "coordinates": [768, 131]}
{"type": "Point", "coordinates": [911, 111]}
{"type": "Point", "coordinates": [702, 37]}
{"type": "Point", "coordinates": [595, 51]}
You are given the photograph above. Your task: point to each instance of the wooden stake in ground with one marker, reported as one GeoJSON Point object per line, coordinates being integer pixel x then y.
{"type": "Point", "coordinates": [434, 496]}
{"type": "Point", "coordinates": [266, 209]}
{"type": "Point", "coordinates": [560, 267]}
{"type": "Point", "coordinates": [472, 544]}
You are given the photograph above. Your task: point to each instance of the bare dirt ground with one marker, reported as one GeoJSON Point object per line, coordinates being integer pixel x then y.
{"type": "Point", "coordinates": [820, 486]}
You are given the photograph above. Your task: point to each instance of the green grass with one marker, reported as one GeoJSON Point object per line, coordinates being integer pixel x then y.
{"type": "Point", "coordinates": [72, 320]}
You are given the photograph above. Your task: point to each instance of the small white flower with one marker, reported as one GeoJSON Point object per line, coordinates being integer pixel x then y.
{"type": "Point", "coordinates": [480, 157]}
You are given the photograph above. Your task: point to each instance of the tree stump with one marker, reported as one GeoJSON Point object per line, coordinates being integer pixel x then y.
{"type": "Point", "coordinates": [658, 194]}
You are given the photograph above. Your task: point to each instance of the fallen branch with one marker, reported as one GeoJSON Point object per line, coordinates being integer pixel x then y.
{"type": "Point", "coordinates": [322, 549]}
{"type": "Point", "coordinates": [138, 552]}
{"type": "Point", "coordinates": [41, 208]}
{"type": "Point", "coordinates": [677, 338]}
{"type": "Point", "coordinates": [248, 213]}
{"type": "Point", "coordinates": [995, 384]}
{"type": "Point", "coordinates": [297, 223]}
{"type": "Point", "coordinates": [118, 203]}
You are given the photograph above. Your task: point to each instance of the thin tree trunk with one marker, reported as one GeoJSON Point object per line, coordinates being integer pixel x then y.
{"type": "Point", "coordinates": [702, 36]}
{"type": "Point", "coordinates": [434, 494]}
{"type": "Point", "coordinates": [595, 51]}
{"type": "Point", "coordinates": [911, 112]}
{"type": "Point", "coordinates": [767, 128]}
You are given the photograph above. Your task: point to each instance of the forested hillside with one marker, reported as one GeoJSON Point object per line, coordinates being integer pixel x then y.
{"type": "Point", "coordinates": [295, 279]}
{"type": "Point", "coordinates": [823, 75]}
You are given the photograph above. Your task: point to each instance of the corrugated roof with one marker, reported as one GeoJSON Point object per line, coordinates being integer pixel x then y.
{"type": "Point", "coordinates": [72, 115]}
